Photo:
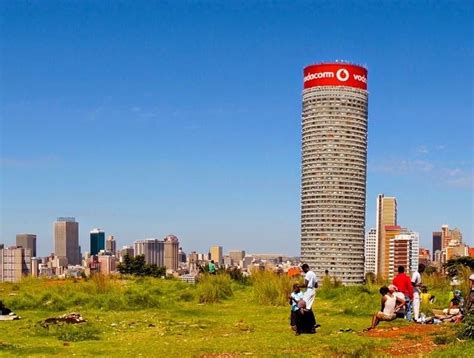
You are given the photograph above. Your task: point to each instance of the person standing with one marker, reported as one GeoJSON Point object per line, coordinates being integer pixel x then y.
{"type": "Point", "coordinates": [416, 282]}
{"type": "Point", "coordinates": [310, 283]}
{"type": "Point", "coordinates": [212, 267]}
{"type": "Point", "coordinates": [404, 285]}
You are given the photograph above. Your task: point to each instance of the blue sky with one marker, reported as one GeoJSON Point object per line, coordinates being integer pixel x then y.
{"type": "Point", "coordinates": [147, 118]}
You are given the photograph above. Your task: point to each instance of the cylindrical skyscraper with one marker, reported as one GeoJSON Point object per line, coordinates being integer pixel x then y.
{"type": "Point", "coordinates": [334, 162]}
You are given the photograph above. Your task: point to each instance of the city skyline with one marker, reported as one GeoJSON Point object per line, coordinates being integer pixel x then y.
{"type": "Point", "coordinates": [197, 129]}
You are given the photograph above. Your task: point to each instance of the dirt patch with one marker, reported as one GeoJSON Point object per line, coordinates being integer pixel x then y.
{"type": "Point", "coordinates": [408, 340]}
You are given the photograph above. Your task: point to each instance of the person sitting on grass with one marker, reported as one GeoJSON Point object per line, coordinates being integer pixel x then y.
{"type": "Point", "coordinates": [4, 311]}
{"type": "Point", "coordinates": [455, 308]}
{"type": "Point", "coordinates": [426, 297]}
{"type": "Point", "coordinates": [295, 297]}
{"type": "Point", "coordinates": [390, 305]}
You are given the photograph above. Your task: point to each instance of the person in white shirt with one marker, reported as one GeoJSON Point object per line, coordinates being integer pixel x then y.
{"type": "Point", "coordinates": [310, 283]}
{"type": "Point", "coordinates": [390, 303]}
{"type": "Point", "coordinates": [416, 282]}
{"type": "Point", "coordinates": [307, 321]}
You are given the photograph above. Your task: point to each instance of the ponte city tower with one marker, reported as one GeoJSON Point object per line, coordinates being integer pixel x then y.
{"type": "Point", "coordinates": [334, 165]}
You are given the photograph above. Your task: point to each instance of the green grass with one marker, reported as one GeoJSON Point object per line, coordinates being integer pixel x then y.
{"type": "Point", "coordinates": [164, 318]}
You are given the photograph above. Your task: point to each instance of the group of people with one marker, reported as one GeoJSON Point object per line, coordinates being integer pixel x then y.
{"type": "Point", "coordinates": [402, 299]}
{"type": "Point", "coordinates": [302, 319]}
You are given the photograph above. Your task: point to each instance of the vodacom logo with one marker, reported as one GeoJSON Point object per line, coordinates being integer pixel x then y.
{"type": "Point", "coordinates": [342, 74]}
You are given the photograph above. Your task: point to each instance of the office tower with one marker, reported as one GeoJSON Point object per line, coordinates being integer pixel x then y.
{"type": "Point", "coordinates": [386, 215]}
{"type": "Point", "coordinates": [153, 249]}
{"type": "Point", "coordinates": [436, 242]}
{"type": "Point", "coordinates": [370, 252]}
{"type": "Point", "coordinates": [111, 245]}
{"type": "Point", "coordinates": [126, 250]}
{"type": "Point", "coordinates": [66, 240]}
{"type": "Point", "coordinates": [216, 254]}
{"type": "Point", "coordinates": [97, 240]}
{"type": "Point", "coordinates": [35, 262]}
{"type": "Point", "coordinates": [107, 264]}
{"type": "Point", "coordinates": [334, 162]}
{"type": "Point", "coordinates": [424, 256]}
{"type": "Point", "coordinates": [181, 256]}
{"type": "Point", "coordinates": [27, 241]}
{"type": "Point", "coordinates": [15, 262]}
{"type": "Point", "coordinates": [236, 256]}
{"type": "Point", "coordinates": [403, 250]}
{"type": "Point", "coordinates": [171, 250]}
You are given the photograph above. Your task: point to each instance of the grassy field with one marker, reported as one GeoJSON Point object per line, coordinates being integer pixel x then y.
{"type": "Point", "coordinates": [165, 318]}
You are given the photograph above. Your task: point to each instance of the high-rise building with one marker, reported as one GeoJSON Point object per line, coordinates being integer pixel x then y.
{"type": "Point", "coordinates": [370, 252]}
{"type": "Point", "coordinates": [107, 264]}
{"type": "Point", "coordinates": [334, 161]}
{"type": "Point", "coordinates": [153, 249]}
{"type": "Point", "coordinates": [403, 250]}
{"type": "Point", "coordinates": [66, 240]}
{"type": "Point", "coordinates": [386, 215]}
{"type": "Point", "coordinates": [111, 245]}
{"type": "Point", "coordinates": [126, 250]}
{"type": "Point", "coordinates": [15, 262]}
{"type": "Point", "coordinates": [216, 254]}
{"type": "Point", "coordinates": [171, 251]}
{"type": "Point", "coordinates": [236, 256]}
{"type": "Point", "coordinates": [181, 256]}
{"type": "Point", "coordinates": [437, 235]}
{"type": "Point", "coordinates": [424, 256]}
{"type": "Point", "coordinates": [27, 241]}
{"type": "Point", "coordinates": [97, 240]}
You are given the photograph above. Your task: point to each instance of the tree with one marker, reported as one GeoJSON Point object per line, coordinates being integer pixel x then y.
{"type": "Point", "coordinates": [452, 266]}
{"type": "Point", "coordinates": [138, 267]}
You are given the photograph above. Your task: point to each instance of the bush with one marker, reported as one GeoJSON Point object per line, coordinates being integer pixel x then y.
{"type": "Point", "coordinates": [270, 288]}
{"type": "Point", "coordinates": [69, 332]}
{"type": "Point", "coordinates": [466, 329]}
{"type": "Point", "coordinates": [213, 288]}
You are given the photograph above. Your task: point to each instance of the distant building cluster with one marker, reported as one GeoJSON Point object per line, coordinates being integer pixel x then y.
{"type": "Point", "coordinates": [390, 245]}
{"type": "Point", "coordinates": [103, 256]}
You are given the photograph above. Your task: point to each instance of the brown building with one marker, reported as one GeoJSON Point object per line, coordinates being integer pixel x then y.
{"type": "Point", "coordinates": [171, 248]}
{"type": "Point", "coordinates": [66, 240]}
{"type": "Point", "coordinates": [111, 245]}
{"type": "Point", "coordinates": [216, 255]}
{"type": "Point", "coordinates": [15, 262]}
{"type": "Point", "coordinates": [424, 256]}
{"type": "Point", "coordinates": [107, 264]}
{"type": "Point", "coordinates": [27, 241]}
{"type": "Point", "coordinates": [236, 256]}
{"type": "Point", "coordinates": [386, 215]}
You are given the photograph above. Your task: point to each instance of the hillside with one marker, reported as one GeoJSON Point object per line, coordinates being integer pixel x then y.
{"type": "Point", "coordinates": [153, 317]}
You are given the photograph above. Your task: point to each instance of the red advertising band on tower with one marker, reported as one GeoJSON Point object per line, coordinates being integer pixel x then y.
{"type": "Point", "coordinates": [335, 74]}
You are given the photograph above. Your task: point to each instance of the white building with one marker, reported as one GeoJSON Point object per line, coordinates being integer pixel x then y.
{"type": "Point", "coordinates": [404, 251]}
{"type": "Point", "coordinates": [370, 252]}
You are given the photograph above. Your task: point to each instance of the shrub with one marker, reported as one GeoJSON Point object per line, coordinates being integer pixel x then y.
{"type": "Point", "coordinates": [213, 288]}
{"type": "Point", "coordinates": [69, 332]}
{"type": "Point", "coordinates": [466, 330]}
{"type": "Point", "coordinates": [270, 288]}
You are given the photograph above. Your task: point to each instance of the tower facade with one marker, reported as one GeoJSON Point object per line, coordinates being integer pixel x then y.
{"type": "Point", "coordinates": [334, 162]}
{"type": "Point", "coordinates": [97, 240]}
{"type": "Point", "coordinates": [27, 241]}
{"type": "Point", "coordinates": [66, 240]}
{"type": "Point", "coordinates": [370, 252]}
{"type": "Point", "coordinates": [171, 248]}
{"type": "Point", "coordinates": [386, 215]}
{"type": "Point", "coordinates": [152, 249]}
